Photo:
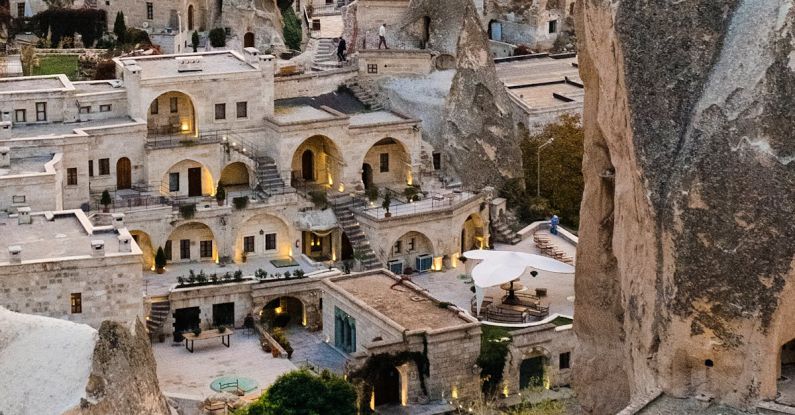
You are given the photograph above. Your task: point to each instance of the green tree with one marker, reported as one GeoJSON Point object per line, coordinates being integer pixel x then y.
{"type": "Point", "coordinates": [120, 28]}
{"type": "Point", "coordinates": [217, 37]}
{"type": "Point", "coordinates": [194, 41]}
{"type": "Point", "coordinates": [105, 199]}
{"type": "Point", "coordinates": [292, 29]}
{"type": "Point", "coordinates": [160, 258]}
{"type": "Point", "coordinates": [301, 392]}
{"type": "Point", "coordinates": [561, 181]}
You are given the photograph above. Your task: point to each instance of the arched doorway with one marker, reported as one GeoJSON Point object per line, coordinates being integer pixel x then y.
{"type": "Point", "coordinates": [192, 241]}
{"type": "Point", "coordinates": [413, 250]}
{"type": "Point", "coordinates": [187, 178]}
{"type": "Point", "coordinates": [473, 235]}
{"type": "Point", "coordinates": [786, 378]}
{"type": "Point", "coordinates": [283, 312]}
{"type": "Point", "coordinates": [308, 166]}
{"type": "Point", "coordinates": [144, 242]}
{"type": "Point", "coordinates": [190, 17]}
{"type": "Point", "coordinates": [367, 175]}
{"type": "Point", "coordinates": [531, 372]}
{"type": "Point", "coordinates": [235, 174]}
{"type": "Point", "coordinates": [390, 164]}
{"type": "Point", "coordinates": [171, 113]}
{"type": "Point", "coordinates": [123, 174]}
{"type": "Point", "coordinates": [248, 40]}
{"type": "Point", "coordinates": [387, 387]}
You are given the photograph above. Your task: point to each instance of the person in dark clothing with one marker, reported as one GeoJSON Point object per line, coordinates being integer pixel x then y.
{"type": "Point", "coordinates": [341, 47]}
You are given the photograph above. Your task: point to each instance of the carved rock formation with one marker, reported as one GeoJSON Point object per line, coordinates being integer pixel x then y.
{"type": "Point", "coordinates": [685, 262]}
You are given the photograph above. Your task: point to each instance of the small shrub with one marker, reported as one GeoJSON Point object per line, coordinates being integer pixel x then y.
{"type": "Point", "coordinates": [191, 277]}
{"type": "Point", "coordinates": [105, 199]}
{"type": "Point", "coordinates": [217, 37]}
{"type": "Point", "coordinates": [188, 211]}
{"type": "Point", "coordinates": [160, 258]}
{"type": "Point", "coordinates": [319, 198]}
{"type": "Point", "coordinates": [292, 29]}
{"type": "Point", "coordinates": [240, 202]}
{"type": "Point", "coordinates": [105, 70]}
{"type": "Point", "coordinates": [260, 274]}
{"type": "Point", "coordinates": [287, 274]}
{"type": "Point", "coordinates": [197, 331]}
{"type": "Point", "coordinates": [227, 276]}
{"type": "Point", "coordinates": [120, 28]}
{"type": "Point", "coordinates": [372, 193]}
{"type": "Point", "coordinates": [387, 202]}
{"type": "Point", "coordinates": [238, 276]}
{"type": "Point", "coordinates": [138, 37]}
{"type": "Point", "coordinates": [202, 277]}
{"type": "Point", "coordinates": [194, 41]}
{"type": "Point", "coordinates": [222, 329]}
{"type": "Point", "coordinates": [180, 281]}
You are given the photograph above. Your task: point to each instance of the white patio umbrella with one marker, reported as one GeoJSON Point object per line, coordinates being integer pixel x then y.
{"type": "Point", "coordinates": [499, 267]}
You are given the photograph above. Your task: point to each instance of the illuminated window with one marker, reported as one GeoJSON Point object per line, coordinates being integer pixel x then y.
{"type": "Point", "coordinates": [76, 301]}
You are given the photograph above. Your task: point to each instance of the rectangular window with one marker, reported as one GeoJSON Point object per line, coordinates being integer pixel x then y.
{"type": "Point", "coordinates": [398, 247]}
{"type": "Point", "coordinates": [104, 167]}
{"type": "Point", "coordinates": [173, 182]}
{"type": "Point", "coordinates": [167, 250]}
{"type": "Point", "coordinates": [565, 360]}
{"type": "Point", "coordinates": [248, 244]}
{"type": "Point", "coordinates": [437, 161]}
{"type": "Point", "coordinates": [20, 116]}
{"type": "Point", "coordinates": [71, 176]}
{"type": "Point", "coordinates": [18, 199]}
{"type": "Point", "coordinates": [270, 241]}
{"type": "Point", "coordinates": [372, 68]}
{"type": "Point", "coordinates": [21, 9]}
{"type": "Point", "coordinates": [154, 108]}
{"type": "Point", "coordinates": [184, 248]}
{"type": "Point", "coordinates": [173, 104]}
{"type": "Point", "coordinates": [242, 110]}
{"type": "Point", "coordinates": [85, 110]}
{"type": "Point", "coordinates": [384, 161]}
{"type": "Point", "coordinates": [206, 249]}
{"type": "Point", "coordinates": [150, 11]}
{"type": "Point", "coordinates": [553, 26]}
{"type": "Point", "coordinates": [105, 108]}
{"type": "Point", "coordinates": [220, 111]}
{"type": "Point", "coordinates": [411, 244]}
{"type": "Point", "coordinates": [76, 300]}
{"type": "Point", "coordinates": [91, 168]}
{"type": "Point", "coordinates": [41, 111]}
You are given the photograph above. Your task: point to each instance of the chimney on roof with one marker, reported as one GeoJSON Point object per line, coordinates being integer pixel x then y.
{"type": "Point", "coordinates": [23, 216]}
{"type": "Point", "coordinates": [5, 156]}
{"type": "Point", "coordinates": [15, 254]}
{"type": "Point", "coordinates": [97, 247]}
{"type": "Point", "coordinates": [190, 63]}
{"type": "Point", "coordinates": [118, 220]}
{"type": "Point", "coordinates": [125, 243]}
{"type": "Point", "coordinates": [251, 55]}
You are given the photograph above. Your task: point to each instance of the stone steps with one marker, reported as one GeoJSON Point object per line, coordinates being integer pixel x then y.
{"type": "Point", "coordinates": [270, 181]}
{"type": "Point", "coordinates": [347, 221]}
{"type": "Point", "coordinates": [157, 317]}
{"type": "Point", "coordinates": [774, 408]}
{"type": "Point", "coordinates": [364, 95]}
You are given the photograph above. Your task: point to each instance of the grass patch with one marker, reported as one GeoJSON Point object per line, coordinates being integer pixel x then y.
{"type": "Point", "coordinates": [561, 321]}
{"type": "Point", "coordinates": [284, 262]}
{"type": "Point", "coordinates": [57, 64]}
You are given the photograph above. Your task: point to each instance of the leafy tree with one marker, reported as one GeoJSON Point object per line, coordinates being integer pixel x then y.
{"type": "Point", "coordinates": [301, 392]}
{"type": "Point", "coordinates": [561, 181]}
{"type": "Point", "coordinates": [120, 28]}
{"type": "Point", "coordinates": [217, 37]}
{"type": "Point", "coordinates": [387, 201]}
{"type": "Point", "coordinates": [194, 41]}
{"type": "Point", "coordinates": [292, 29]}
{"type": "Point", "coordinates": [494, 342]}
{"type": "Point", "coordinates": [59, 23]}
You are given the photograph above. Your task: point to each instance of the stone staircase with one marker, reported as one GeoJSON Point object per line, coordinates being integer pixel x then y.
{"type": "Point", "coordinates": [341, 206]}
{"type": "Point", "coordinates": [501, 232]}
{"type": "Point", "coordinates": [157, 317]}
{"type": "Point", "coordinates": [269, 180]}
{"type": "Point", "coordinates": [364, 95]}
{"type": "Point", "coordinates": [325, 58]}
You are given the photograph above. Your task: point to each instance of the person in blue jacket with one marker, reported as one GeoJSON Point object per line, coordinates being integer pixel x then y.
{"type": "Point", "coordinates": [553, 224]}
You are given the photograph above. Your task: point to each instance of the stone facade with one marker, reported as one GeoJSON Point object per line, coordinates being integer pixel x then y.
{"type": "Point", "coordinates": [537, 25]}
{"type": "Point", "coordinates": [687, 247]}
{"type": "Point", "coordinates": [554, 344]}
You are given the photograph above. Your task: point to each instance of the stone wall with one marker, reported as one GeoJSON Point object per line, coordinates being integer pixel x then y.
{"type": "Point", "coordinates": [373, 63]}
{"type": "Point", "coordinates": [686, 245]}
{"type": "Point", "coordinates": [548, 341]}
{"type": "Point", "coordinates": [311, 84]}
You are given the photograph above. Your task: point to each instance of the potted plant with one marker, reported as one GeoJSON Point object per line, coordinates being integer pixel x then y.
{"type": "Point", "coordinates": [372, 193]}
{"type": "Point", "coordinates": [105, 200]}
{"type": "Point", "coordinates": [194, 41]}
{"type": "Point", "coordinates": [220, 194]}
{"type": "Point", "coordinates": [161, 337]}
{"type": "Point", "coordinates": [160, 260]}
{"type": "Point", "coordinates": [386, 203]}
{"type": "Point", "coordinates": [222, 329]}
{"type": "Point", "coordinates": [197, 331]}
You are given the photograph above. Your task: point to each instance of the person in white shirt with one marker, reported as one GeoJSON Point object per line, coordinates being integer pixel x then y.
{"type": "Point", "coordinates": [382, 36]}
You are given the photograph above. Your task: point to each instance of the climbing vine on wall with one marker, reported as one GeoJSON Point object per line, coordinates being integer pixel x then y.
{"type": "Point", "coordinates": [493, 351]}
{"type": "Point", "coordinates": [381, 363]}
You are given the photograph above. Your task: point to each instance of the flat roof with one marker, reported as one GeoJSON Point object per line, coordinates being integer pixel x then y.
{"type": "Point", "coordinates": [63, 236]}
{"type": "Point", "coordinates": [300, 113]}
{"type": "Point", "coordinates": [165, 66]}
{"type": "Point", "coordinates": [96, 86]}
{"type": "Point", "coordinates": [529, 71]}
{"type": "Point", "coordinates": [375, 117]}
{"type": "Point", "coordinates": [60, 128]}
{"type": "Point", "coordinates": [31, 83]}
{"type": "Point", "coordinates": [27, 165]}
{"type": "Point", "coordinates": [548, 95]}
{"type": "Point", "coordinates": [408, 307]}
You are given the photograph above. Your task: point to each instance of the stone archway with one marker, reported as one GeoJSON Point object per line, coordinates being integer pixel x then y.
{"type": "Point", "coordinates": [311, 304]}
{"type": "Point", "coordinates": [389, 164]}
{"type": "Point", "coordinates": [235, 174]}
{"type": "Point", "coordinates": [414, 250]}
{"type": "Point", "coordinates": [171, 113]}
{"type": "Point", "coordinates": [187, 178]}
{"type": "Point", "coordinates": [192, 241]}
{"type": "Point", "coordinates": [263, 235]}
{"type": "Point", "coordinates": [317, 161]}
{"type": "Point", "coordinates": [144, 242]}
{"type": "Point", "coordinates": [473, 234]}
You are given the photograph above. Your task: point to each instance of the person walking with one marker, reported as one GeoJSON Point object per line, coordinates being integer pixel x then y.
{"type": "Point", "coordinates": [382, 36]}
{"type": "Point", "coordinates": [341, 47]}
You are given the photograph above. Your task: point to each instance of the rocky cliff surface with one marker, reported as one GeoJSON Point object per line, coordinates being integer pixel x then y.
{"type": "Point", "coordinates": [685, 262]}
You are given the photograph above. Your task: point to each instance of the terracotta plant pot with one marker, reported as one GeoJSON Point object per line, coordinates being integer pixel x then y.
{"type": "Point", "coordinates": [160, 270]}
{"type": "Point", "coordinates": [220, 202]}
{"type": "Point", "coordinates": [387, 214]}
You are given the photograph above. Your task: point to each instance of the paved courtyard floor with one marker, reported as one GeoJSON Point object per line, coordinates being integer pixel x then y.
{"type": "Point", "coordinates": [159, 284]}
{"type": "Point", "coordinates": [786, 386]}
{"type": "Point", "coordinates": [185, 373]}
{"type": "Point", "coordinates": [310, 349]}
{"type": "Point", "coordinates": [454, 285]}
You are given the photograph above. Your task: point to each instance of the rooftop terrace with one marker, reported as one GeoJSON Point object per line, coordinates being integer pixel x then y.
{"type": "Point", "coordinates": [543, 82]}
{"type": "Point", "coordinates": [32, 83]}
{"type": "Point", "coordinates": [59, 128]}
{"type": "Point", "coordinates": [213, 63]}
{"type": "Point", "coordinates": [405, 305]}
{"type": "Point", "coordinates": [300, 113]}
{"type": "Point", "coordinates": [68, 234]}
{"type": "Point", "coordinates": [26, 165]}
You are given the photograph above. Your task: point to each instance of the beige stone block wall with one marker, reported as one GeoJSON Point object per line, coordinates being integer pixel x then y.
{"type": "Point", "coordinates": [548, 341]}
{"type": "Point", "coordinates": [206, 297]}
{"type": "Point", "coordinates": [311, 84]}
{"type": "Point", "coordinates": [377, 64]}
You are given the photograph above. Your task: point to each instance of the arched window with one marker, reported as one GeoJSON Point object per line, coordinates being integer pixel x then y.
{"type": "Point", "coordinates": [190, 17]}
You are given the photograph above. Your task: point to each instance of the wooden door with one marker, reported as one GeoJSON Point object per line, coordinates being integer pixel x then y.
{"type": "Point", "coordinates": [123, 174]}
{"type": "Point", "coordinates": [308, 166]}
{"type": "Point", "coordinates": [195, 181]}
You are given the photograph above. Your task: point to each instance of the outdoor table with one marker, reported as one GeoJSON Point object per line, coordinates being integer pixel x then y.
{"type": "Point", "coordinates": [512, 287]}
{"type": "Point", "coordinates": [207, 334]}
